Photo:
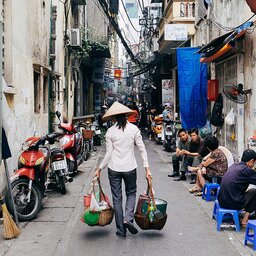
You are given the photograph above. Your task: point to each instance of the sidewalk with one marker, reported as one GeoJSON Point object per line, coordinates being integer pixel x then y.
{"type": "Point", "coordinates": [42, 235]}
{"type": "Point", "coordinates": [58, 231]}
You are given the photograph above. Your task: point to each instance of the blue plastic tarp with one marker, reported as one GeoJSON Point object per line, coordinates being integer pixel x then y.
{"type": "Point", "coordinates": [192, 80]}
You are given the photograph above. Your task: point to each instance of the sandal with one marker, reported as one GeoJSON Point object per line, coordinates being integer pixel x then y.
{"type": "Point", "coordinates": [198, 193]}
{"type": "Point", "coordinates": [194, 189]}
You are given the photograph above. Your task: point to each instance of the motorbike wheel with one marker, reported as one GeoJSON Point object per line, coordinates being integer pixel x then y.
{"type": "Point", "coordinates": [71, 167]}
{"type": "Point", "coordinates": [86, 152]}
{"type": "Point", "coordinates": [25, 210]}
{"type": "Point", "coordinates": [61, 184]}
{"type": "Point", "coordinates": [168, 147]}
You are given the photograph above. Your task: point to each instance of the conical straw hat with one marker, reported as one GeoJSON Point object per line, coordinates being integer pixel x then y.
{"type": "Point", "coordinates": [117, 109]}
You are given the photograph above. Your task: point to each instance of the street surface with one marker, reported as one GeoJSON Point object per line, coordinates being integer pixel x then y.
{"type": "Point", "coordinates": [189, 230]}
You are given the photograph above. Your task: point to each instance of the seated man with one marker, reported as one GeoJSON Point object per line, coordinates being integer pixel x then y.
{"type": "Point", "coordinates": [214, 164]}
{"type": "Point", "coordinates": [233, 190]}
{"type": "Point", "coordinates": [194, 155]}
{"type": "Point", "coordinates": [178, 155]}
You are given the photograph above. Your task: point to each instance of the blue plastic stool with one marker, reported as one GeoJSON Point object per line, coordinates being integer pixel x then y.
{"type": "Point", "coordinates": [208, 189]}
{"type": "Point", "coordinates": [220, 216]}
{"type": "Point", "coordinates": [251, 224]}
{"type": "Point", "coordinates": [216, 208]}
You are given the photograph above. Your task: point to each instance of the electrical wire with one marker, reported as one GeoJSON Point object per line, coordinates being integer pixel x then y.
{"type": "Point", "coordinates": [138, 1]}
{"type": "Point", "coordinates": [128, 29]}
{"type": "Point", "coordinates": [118, 31]}
{"type": "Point", "coordinates": [129, 17]}
{"type": "Point", "coordinates": [215, 20]}
{"type": "Point", "coordinates": [143, 6]}
{"type": "Point", "coordinates": [99, 7]}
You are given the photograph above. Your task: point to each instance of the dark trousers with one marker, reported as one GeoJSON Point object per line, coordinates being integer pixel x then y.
{"type": "Point", "coordinates": [115, 179]}
{"type": "Point", "coordinates": [250, 200]}
{"type": "Point", "coordinates": [185, 162]}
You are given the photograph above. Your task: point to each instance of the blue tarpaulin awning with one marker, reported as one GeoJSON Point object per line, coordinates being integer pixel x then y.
{"type": "Point", "coordinates": [192, 80]}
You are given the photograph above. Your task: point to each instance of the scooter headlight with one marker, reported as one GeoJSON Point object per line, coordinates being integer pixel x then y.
{"type": "Point", "coordinates": [39, 161]}
{"type": "Point", "coordinates": [64, 140]}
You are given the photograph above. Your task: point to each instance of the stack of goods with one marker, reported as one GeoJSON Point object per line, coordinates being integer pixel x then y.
{"type": "Point", "coordinates": [98, 210]}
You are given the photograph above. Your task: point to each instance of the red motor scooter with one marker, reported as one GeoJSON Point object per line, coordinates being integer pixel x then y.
{"type": "Point", "coordinates": [72, 143]}
{"type": "Point", "coordinates": [39, 165]}
{"type": "Point", "coordinates": [28, 182]}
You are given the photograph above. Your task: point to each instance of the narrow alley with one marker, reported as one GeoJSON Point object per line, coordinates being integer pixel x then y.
{"type": "Point", "coordinates": [189, 229]}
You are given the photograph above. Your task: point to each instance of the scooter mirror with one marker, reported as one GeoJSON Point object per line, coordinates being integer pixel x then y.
{"type": "Point", "coordinates": [176, 115]}
{"type": "Point", "coordinates": [58, 114]}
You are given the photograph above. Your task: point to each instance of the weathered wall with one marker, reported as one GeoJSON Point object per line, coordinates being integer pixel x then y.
{"type": "Point", "coordinates": [226, 12]}
{"type": "Point", "coordinates": [60, 55]}
{"type": "Point", "coordinates": [26, 43]}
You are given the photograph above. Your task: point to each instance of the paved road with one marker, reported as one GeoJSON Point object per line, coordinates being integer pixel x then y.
{"type": "Point", "coordinates": [189, 229]}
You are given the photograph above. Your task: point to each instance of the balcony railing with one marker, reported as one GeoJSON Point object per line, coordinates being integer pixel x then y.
{"type": "Point", "coordinates": [187, 9]}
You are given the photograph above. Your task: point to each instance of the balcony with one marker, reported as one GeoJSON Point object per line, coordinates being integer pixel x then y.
{"type": "Point", "coordinates": [176, 12]}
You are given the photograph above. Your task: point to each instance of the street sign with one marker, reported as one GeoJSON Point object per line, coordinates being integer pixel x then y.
{"type": "Point", "coordinates": [176, 32]}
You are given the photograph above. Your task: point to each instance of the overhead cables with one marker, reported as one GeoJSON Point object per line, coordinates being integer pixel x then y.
{"type": "Point", "coordinates": [150, 65]}
{"type": "Point", "coordinates": [129, 17]}
{"type": "Point", "coordinates": [215, 20]}
{"type": "Point", "coordinates": [143, 6]}
{"type": "Point", "coordinates": [118, 31]}
{"type": "Point", "coordinates": [138, 1]}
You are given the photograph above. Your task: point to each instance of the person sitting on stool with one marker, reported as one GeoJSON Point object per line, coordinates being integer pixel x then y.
{"type": "Point", "coordinates": [233, 192]}
{"type": "Point", "coordinates": [178, 156]}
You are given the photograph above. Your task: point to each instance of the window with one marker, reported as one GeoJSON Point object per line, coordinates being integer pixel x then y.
{"type": "Point", "coordinates": [36, 92]}
{"type": "Point", "coordinates": [45, 94]}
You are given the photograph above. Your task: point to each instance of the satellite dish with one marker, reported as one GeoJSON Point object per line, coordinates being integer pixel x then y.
{"type": "Point", "coordinates": [236, 93]}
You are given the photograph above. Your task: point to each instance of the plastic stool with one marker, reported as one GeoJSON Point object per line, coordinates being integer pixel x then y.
{"type": "Point", "coordinates": [220, 214]}
{"type": "Point", "coordinates": [251, 224]}
{"type": "Point", "coordinates": [207, 191]}
{"type": "Point", "coordinates": [216, 208]}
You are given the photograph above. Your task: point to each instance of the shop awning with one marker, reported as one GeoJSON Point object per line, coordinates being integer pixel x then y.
{"type": "Point", "coordinates": [223, 44]}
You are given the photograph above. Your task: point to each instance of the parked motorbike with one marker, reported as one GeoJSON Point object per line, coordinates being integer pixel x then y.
{"type": "Point", "coordinates": [158, 129]}
{"type": "Point", "coordinates": [170, 135]}
{"type": "Point", "coordinates": [97, 134]}
{"type": "Point", "coordinates": [58, 172]}
{"type": "Point", "coordinates": [28, 182]}
{"type": "Point", "coordinates": [73, 145]}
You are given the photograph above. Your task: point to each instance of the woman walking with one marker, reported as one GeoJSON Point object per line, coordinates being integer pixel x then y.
{"type": "Point", "coordinates": [121, 139]}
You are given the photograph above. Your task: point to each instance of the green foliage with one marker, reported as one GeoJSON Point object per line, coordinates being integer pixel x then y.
{"type": "Point", "coordinates": [91, 48]}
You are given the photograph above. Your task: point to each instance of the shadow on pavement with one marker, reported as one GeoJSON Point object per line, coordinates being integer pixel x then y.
{"type": "Point", "coordinates": [96, 234]}
{"type": "Point", "coordinates": [151, 234]}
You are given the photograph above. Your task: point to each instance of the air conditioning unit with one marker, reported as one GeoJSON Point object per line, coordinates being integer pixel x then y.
{"type": "Point", "coordinates": [75, 37]}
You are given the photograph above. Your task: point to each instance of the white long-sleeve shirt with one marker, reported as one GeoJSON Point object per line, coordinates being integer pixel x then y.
{"type": "Point", "coordinates": [120, 146]}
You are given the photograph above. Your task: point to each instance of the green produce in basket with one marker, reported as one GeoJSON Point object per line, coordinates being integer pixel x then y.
{"type": "Point", "coordinates": [91, 218]}
{"type": "Point", "coordinates": [161, 205]}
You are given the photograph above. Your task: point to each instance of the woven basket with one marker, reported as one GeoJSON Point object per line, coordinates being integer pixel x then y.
{"type": "Point", "coordinates": [87, 134]}
{"type": "Point", "coordinates": [106, 217]}
{"type": "Point", "coordinates": [144, 223]}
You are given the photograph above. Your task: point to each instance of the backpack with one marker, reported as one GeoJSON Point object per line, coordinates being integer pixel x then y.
{"type": "Point", "coordinates": [217, 118]}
